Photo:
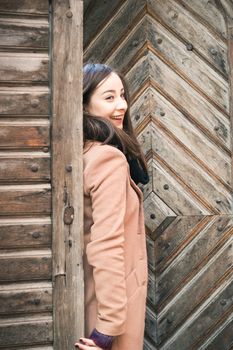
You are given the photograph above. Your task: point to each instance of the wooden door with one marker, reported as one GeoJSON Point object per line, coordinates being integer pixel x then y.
{"type": "Point", "coordinates": [177, 57]}
{"type": "Point", "coordinates": [41, 285]}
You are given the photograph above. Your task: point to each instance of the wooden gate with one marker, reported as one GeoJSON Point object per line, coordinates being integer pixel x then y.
{"type": "Point", "coordinates": [40, 201]}
{"type": "Point", "coordinates": [178, 59]}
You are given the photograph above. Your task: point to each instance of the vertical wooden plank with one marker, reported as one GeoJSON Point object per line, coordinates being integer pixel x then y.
{"type": "Point", "coordinates": [67, 172]}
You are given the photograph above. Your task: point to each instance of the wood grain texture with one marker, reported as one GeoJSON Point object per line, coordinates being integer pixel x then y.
{"type": "Point", "coordinates": [24, 34]}
{"type": "Point", "coordinates": [24, 166]}
{"type": "Point", "coordinates": [25, 265]}
{"type": "Point", "coordinates": [25, 189]}
{"type": "Point", "coordinates": [25, 200]}
{"type": "Point", "coordinates": [177, 57]}
{"type": "Point", "coordinates": [24, 102]}
{"type": "Point", "coordinates": [20, 331]}
{"type": "Point", "coordinates": [20, 7]}
{"type": "Point", "coordinates": [28, 298]}
{"type": "Point", "coordinates": [25, 233]}
{"type": "Point", "coordinates": [30, 67]}
{"type": "Point", "coordinates": [67, 173]}
{"type": "Point", "coordinates": [24, 134]}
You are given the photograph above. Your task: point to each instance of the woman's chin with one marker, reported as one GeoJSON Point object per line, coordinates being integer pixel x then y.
{"type": "Point", "coordinates": [118, 124]}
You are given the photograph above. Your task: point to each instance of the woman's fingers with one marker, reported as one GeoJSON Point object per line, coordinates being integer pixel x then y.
{"type": "Point", "coordinates": [89, 344]}
{"type": "Point", "coordinates": [88, 341]}
{"type": "Point", "coordinates": [84, 347]}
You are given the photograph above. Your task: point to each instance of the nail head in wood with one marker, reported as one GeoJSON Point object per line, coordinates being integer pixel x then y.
{"type": "Point", "coordinates": [68, 215]}
{"type": "Point", "coordinates": [69, 14]}
{"type": "Point", "coordinates": [34, 103]}
{"type": "Point", "coordinates": [36, 235]}
{"type": "Point", "coordinates": [189, 47]}
{"type": "Point", "coordinates": [69, 168]}
{"type": "Point", "coordinates": [34, 168]}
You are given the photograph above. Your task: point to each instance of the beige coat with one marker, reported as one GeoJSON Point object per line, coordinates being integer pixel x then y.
{"type": "Point", "coordinates": [115, 259]}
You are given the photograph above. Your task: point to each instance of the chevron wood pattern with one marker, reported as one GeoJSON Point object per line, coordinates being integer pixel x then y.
{"type": "Point", "coordinates": [177, 57]}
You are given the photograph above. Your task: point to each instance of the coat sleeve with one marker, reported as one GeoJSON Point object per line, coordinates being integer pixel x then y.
{"type": "Point", "coordinates": [106, 177]}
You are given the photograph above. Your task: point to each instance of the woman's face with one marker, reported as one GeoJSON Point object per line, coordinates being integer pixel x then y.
{"type": "Point", "coordinates": [108, 100]}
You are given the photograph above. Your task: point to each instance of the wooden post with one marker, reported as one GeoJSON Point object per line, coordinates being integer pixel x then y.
{"type": "Point", "coordinates": [67, 172]}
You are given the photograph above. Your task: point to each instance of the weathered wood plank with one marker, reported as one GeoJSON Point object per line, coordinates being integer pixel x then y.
{"type": "Point", "coordinates": [18, 67]}
{"type": "Point", "coordinates": [24, 33]}
{"type": "Point", "coordinates": [223, 338]}
{"type": "Point", "coordinates": [112, 34]}
{"type": "Point", "coordinates": [193, 258]}
{"type": "Point", "coordinates": [156, 208]}
{"type": "Point", "coordinates": [188, 28]}
{"type": "Point", "coordinates": [192, 104]}
{"type": "Point", "coordinates": [175, 195]}
{"type": "Point", "coordinates": [177, 235]}
{"type": "Point", "coordinates": [211, 156]}
{"type": "Point", "coordinates": [122, 56]}
{"type": "Point", "coordinates": [68, 293]}
{"type": "Point", "coordinates": [210, 316]}
{"type": "Point", "coordinates": [25, 265]}
{"type": "Point", "coordinates": [95, 16]}
{"type": "Point", "coordinates": [175, 53]}
{"type": "Point", "coordinates": [25, 233]}
{"type": "Point", "coordinates": [210, 192]}
{"type": "Point", "coordinates": [33, 101]}
{"type": "Point", "coordinates": [24, 166]}
{"type": "Point", "coordinates": [151, 253]}
{"type": "Point", "coordinates": [210, 12]}
{"type": "Point", "coordinates": [25, 199]}
{"type": "Point", "coordinates": [152, 104]}
{"type": "Point", "coordinates": [189, 64]}
{"type": "Point", "coordinates": [151, 289]}
{"type": "Point", "coordinates": [193, 295]}
{"type": "Point", "coordinates": [26, 331]}
{"type": "Point", "coordinates": [151, 326]}
{"type": "Point", "coordinates": [194, 179]}
{"type": "Point", "coordinates": [148, 345]}
{"type": "Point", "coordinates": [19, 7]}
{"type": "Point", "coordinates": [24, 134]}
{"type": "Point", "coordinates": [23, 298]}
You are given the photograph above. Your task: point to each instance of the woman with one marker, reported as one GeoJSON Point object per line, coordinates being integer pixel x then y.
{"type": "Point", "coordinates": [115, 259]}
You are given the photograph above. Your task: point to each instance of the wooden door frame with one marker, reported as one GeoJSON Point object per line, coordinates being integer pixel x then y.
{"type": "Point", "coordinates": [67, 171]}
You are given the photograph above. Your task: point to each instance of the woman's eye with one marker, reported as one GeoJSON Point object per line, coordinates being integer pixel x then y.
{"type": "Point", "coordinates": [109, 98]}
{"type": "Point", "coordinates": [123, 96]}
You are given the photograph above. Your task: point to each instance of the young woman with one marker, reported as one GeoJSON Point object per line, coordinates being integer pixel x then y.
{"type": "Point", "coordinates": [115, 259]}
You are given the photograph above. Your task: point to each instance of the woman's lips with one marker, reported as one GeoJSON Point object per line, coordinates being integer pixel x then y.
{"type": "Point", "coordinates": [120, 117]}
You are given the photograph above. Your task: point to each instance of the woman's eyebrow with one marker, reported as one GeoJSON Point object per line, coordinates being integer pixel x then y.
{"type": "Point", "coordinates": [111, 91]}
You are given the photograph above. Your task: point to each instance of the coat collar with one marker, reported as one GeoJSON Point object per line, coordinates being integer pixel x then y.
{"type": "Point", "coordinates": [89, 144]}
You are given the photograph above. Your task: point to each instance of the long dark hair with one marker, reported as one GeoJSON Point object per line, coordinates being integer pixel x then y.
{"type": "Point", "coordinates": [97, 128]}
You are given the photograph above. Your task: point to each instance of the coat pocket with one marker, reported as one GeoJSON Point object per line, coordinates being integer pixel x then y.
{"type": "Point", "coordinates": [137, 278]}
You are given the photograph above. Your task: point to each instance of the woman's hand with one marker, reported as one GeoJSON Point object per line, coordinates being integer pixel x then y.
{"type": "Point", "coordinates": [89, 344]}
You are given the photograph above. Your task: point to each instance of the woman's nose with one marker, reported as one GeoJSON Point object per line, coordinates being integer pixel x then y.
{"type": "Point", "coordinates": [121, 104]}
